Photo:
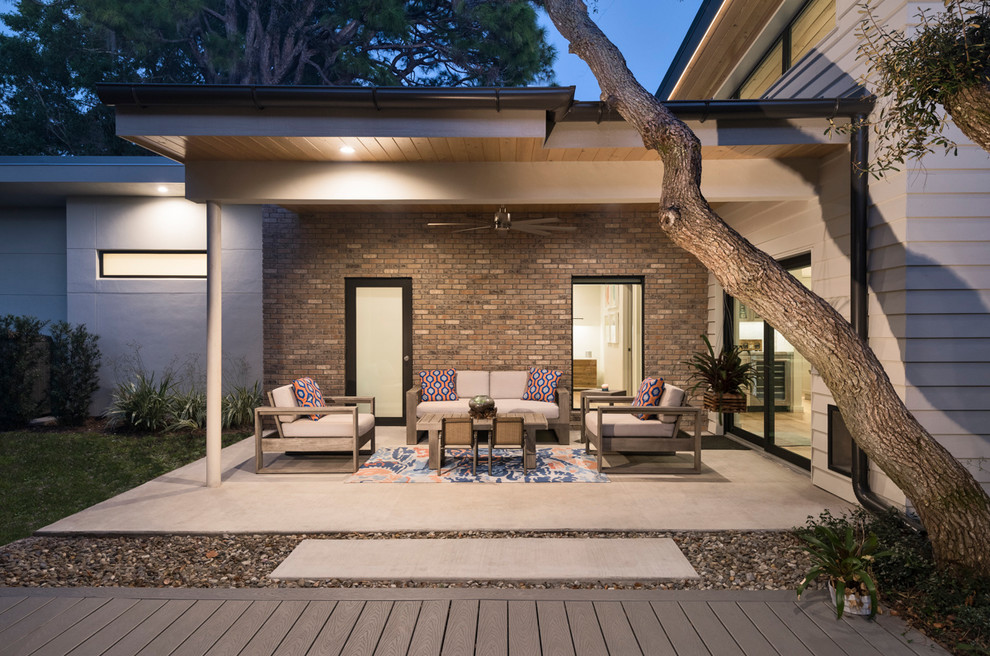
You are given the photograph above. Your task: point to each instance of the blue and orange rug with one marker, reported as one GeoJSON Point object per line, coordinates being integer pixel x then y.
{"type": "Point", "coordinates": [409, 464]}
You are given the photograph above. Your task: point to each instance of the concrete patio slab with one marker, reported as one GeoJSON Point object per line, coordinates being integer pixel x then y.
{"type": "Point", "coordinates": [488, 559]}
{"type": "Point", "coordinates": [740, 489]}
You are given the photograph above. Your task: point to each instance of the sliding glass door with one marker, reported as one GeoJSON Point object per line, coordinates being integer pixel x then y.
{"type": "Point", "coordinates": [778, 408]}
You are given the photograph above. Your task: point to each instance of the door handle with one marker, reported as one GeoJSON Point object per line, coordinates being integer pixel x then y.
{"type": "Point", "coordinates": [405, 358]}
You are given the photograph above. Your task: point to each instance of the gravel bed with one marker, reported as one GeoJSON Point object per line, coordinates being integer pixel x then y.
{"type": "Point", "coordinates": [737, 560]}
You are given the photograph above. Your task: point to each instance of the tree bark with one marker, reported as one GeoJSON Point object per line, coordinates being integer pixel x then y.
{"type": "Point", "coordinates": [970, 111]}
{"type": "Point", "coordinates": [951, 504]}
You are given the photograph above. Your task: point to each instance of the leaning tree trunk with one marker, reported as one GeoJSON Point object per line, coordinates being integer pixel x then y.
{"type": "Point", "coordinates": [970, 111]}
{"type": "Point", "coordinates": [951, 504]}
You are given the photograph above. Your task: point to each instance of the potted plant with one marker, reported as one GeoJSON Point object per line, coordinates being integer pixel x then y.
{"type": "Point", "coordinates": [722, 377]}
{"type": "Point", "coordinates": [846, 561]}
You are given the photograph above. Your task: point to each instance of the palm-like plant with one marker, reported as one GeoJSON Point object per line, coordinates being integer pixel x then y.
{"type": "Point", "coordinates": [722, 374]}
{"type": "Point", "coordinates": [845, 560]}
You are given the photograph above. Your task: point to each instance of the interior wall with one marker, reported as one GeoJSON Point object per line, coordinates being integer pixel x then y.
{"type": "Point", "coordinates": [481, 300]}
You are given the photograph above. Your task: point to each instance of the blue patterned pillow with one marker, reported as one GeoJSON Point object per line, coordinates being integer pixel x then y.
{"type": "Point", "coordinates": [438, 384]}
{"type": "Point", "coordinates": [308, 394]}
{"type": "Point", "coordinates": [542, 385]}
{"type": "Point", "coordinates": [650, 391]}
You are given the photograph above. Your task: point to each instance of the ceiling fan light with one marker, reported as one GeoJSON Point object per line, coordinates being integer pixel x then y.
{"type": "Point", "coordinates": [503, 220]}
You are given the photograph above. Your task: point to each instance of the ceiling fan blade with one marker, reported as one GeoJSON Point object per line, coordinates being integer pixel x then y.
{"type": "Point", "coordinates": [533, 230]}
{"type": "Point", "coordinates": [450, 224]}
{"type": "Point", "coordinates": [484, 227]}
{"type": "Point", "coordinates": [550, 219]}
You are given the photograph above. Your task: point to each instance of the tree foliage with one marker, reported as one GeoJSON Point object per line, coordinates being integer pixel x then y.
{"type": "Point", "coordinates": [59, 49]}
{"type": "Point", "coordinates": [942, 67]}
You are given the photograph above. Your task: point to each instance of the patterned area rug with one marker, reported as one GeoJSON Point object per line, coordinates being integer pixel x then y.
{"type": "Point", "coordinates": [409, 464]}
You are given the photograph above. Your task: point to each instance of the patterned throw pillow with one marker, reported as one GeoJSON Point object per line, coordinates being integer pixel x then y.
{"type": "Point", "coordinates": [650, 391]}
{"type": "Point", "coordinates": [438, 384]}
{"type": "Point", "coordinates": [308, 394]}
{"type": "Point", "coordinates": [542, 385]}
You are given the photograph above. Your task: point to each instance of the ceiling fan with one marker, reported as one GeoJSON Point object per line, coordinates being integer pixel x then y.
{"type": "Point", "coordinates": [503, 223]}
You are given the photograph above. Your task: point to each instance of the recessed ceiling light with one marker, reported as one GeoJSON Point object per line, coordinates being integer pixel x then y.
{"type": "Point", "coordinates": [162, 189]}
{"type": "Point", "coordinates": [347, 150]}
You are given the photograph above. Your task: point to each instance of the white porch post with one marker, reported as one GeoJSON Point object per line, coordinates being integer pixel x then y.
{"type": "Point", "coordinates": [214, 362]}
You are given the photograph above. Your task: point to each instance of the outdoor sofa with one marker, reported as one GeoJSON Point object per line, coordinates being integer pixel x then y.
{"type": "Point", "coordinates": [507, 389]}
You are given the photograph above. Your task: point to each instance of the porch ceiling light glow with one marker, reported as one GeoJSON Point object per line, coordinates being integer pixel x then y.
{"type": "Point", "coordinates": [347, 150]}
{"type": "Point", "coordinates": [162, 189]}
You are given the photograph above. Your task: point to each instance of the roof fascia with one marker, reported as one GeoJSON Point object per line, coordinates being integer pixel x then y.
{"type": "Point", "coordinates": [699, 27]}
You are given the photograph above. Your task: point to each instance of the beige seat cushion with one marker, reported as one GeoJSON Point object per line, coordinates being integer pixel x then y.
{"type": "Point", "coordinates": [548, 410]}
{"type": "Point", "coordinates": [460, 406]}
{"type": "Point", "coordinates": [333, 425]}
{"type": "Point", "coordinates": [672, 397]}
{"type": "Point", "coordinates": [621, 424]}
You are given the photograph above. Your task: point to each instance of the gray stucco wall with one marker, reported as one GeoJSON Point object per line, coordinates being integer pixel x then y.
{"type": "Point", "coordinates": [163, 320]}
{"type": "Point", "coordinates": [32, 262]}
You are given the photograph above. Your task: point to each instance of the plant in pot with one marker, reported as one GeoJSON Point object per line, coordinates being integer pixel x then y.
{"type": "Point", "coordinates": [722, 377]}
{"type": "Point", "coordinates": [846, 561]}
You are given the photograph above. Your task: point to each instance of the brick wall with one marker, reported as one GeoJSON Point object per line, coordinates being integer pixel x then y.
{"type": "Point", "coordinates": [481, 300]}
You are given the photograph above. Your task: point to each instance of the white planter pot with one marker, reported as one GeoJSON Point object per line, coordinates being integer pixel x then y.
{"type": "Point", "coordinates": [855, 604]}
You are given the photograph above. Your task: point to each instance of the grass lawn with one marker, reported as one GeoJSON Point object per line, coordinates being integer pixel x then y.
{"type": "Point", "coordinates": [50, 475]}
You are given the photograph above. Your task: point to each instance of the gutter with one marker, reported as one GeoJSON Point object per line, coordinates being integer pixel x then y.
{"type": "Point", "coordinates": [376, 98]}
{"type": "Point", "coordinates": [859, 192]}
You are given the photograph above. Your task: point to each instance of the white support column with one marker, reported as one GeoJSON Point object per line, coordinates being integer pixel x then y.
{"type": "Point", "coordinates": [214, 362]}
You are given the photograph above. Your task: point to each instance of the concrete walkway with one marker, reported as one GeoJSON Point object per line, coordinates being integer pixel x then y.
{"type": "Point", "coordinates": [737, 490]}
{"type": "Point", "coordinates": [124, 622]}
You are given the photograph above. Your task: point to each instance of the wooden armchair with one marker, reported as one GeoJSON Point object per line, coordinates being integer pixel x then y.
{"type": "Point", "coordinates": [340, 426]}
{"type": "Point", "coordinates": [617, 428]}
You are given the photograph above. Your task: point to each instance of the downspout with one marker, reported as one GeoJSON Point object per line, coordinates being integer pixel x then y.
{"type": "Point", "coordinates": [859, 146]}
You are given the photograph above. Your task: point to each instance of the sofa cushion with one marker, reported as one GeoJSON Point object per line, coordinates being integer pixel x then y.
{"type": "Point", "coordinates": [472, 383]}
{"type": "Point", "coordinates": [542, 385]}
{"type": "Point", "coordinates": [284, 397]}
{"type": "Point", "coordinates": [548, 410]}
{"type": "Point", "coordinates": [308, 394]}
{"type": "Point", "coordinates": [438, 384]}
{"type": "Point", "coordinates": [332, 425]}
{"type": "Point", "coordinates": [509, 384]}
{"type": "Point", "coordinates": [650, 391]}
{"type": "Point", "coordinates": [458, 406]}
{"type": "Point", "coordinates": [624, 424]}
{"type": "Point", "coordinates": [672, 397]}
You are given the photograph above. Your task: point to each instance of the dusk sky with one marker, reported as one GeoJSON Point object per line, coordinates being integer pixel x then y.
{"type": "Point", "coordinates": [648, 32]}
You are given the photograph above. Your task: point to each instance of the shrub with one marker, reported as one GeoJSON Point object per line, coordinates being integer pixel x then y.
{"type": "Point", "coordinates": [190, 410]}
{"type": "Point", "coordinates": [142, 404]}
{"type": "Point", "coordinates": [22, 357]}
{"type": "Point", "coordinates": [239, 404]}
{"type": "Point", "coordinates": [74, 372]}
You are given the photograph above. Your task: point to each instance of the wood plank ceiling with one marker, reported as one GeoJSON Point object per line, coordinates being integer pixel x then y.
{"type": "Point", "coordinates": [432, 149]}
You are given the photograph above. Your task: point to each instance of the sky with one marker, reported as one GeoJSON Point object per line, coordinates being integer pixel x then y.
{"type": "Point", "coordinates": [648, 32]}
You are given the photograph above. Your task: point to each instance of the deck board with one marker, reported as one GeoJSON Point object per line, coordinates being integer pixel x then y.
{"type": "Point", "coordinates": [427, 638]}
{"type": "Point", "coordinates": [493, 628]}
{"type": "Point", "coordinates": [429, 622]}
{"type": "Point", "coordinates": [398, 629]}
{"type": "Point", "coordinates": [524, 628]}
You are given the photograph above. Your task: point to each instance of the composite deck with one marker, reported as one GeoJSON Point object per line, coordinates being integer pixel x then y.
{"type": "Point", "coordinates": [118, 621]}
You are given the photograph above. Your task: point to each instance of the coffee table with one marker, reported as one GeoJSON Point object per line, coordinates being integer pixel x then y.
{"type": "Point", "coordinates": [432, 423]}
